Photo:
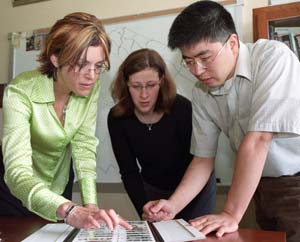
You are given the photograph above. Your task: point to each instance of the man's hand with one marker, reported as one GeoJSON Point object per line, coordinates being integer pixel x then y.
{"type": "Point", "coordinates": [221, 223]}
{"type": "Point", "coordinates": [158, 210]}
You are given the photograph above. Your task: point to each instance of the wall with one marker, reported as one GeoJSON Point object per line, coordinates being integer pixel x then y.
{"type": "Point", "coordinates": [44, 14]}
{"type": "Point", "coordinates": [247, 16]}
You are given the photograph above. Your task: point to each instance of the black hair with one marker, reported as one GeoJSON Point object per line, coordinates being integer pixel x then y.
{"type": "Point", "coordinates": [201, 21]}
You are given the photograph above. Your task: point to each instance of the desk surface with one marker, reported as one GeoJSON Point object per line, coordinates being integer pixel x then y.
{"type": "Point", "coordinates": [16, 229]}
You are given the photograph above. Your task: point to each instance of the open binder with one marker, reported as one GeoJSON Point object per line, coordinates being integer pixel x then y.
{"type": "Point", "coordinates": [165, 231]}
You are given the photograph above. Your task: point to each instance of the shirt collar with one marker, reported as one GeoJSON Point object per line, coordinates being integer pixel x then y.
{"type": "Point", "coordinates": [221, 90]}
{"type": "Point", "coordinates": [242, 69]}
{"type": "Point", "coordinates": [243, 65]}
{"type": "Point", "coordinates": [43, 91]}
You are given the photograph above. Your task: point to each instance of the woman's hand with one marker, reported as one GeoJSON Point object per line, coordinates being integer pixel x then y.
{"type": "Point", "coordinates": [158, 210]}
{"type": "Point", "coordinates": [89, 217]}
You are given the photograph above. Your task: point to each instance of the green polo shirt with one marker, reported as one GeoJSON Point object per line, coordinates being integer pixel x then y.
{"type": "Point", "coordinates": [37, 149]}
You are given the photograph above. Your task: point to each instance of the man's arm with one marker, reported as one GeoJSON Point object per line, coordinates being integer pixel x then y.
{"type": "Point", "coordinates": [249, 165]}
{"type": "Point", "coordinates": [194, 179]}
{"type": "Point", "coordinates": [248, 170]}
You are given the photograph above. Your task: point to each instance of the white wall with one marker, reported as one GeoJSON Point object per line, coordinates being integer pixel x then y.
{"type": "Point", "coordinates": [44, 14]}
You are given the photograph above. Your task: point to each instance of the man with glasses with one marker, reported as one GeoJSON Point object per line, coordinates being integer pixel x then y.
{"type": "Point", "coordinates": [251, 93]}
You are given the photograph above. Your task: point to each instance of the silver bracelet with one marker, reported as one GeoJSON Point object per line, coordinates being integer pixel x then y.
{"type": "Point", "coordinates": [69, 210]}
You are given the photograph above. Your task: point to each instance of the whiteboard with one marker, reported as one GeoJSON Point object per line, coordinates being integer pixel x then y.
{"type": "Point", "coordinates": [127, 36]}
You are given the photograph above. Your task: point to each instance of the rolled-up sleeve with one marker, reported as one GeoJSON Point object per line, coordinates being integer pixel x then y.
{"type": "Point", "coordinates": [276, 100]}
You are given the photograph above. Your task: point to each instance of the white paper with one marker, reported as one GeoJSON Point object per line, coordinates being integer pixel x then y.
{"type": "Point", "coordinates": [177, 230]}
{"type": "Point", "coordinates": [50, 233]}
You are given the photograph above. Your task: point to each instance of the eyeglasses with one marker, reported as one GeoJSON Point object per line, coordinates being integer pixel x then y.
{"type": "Point", "coordinates": [86, 68]}
{"type": "Point", "coordinates": [149, 87]}
{"type": "Point", "coordinates": [204, 63]}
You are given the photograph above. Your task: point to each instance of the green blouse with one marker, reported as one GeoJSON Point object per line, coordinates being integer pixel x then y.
{"type": "Point", "coordinates": [37, 149]}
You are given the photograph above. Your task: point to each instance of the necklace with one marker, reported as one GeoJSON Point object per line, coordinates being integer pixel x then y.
{"type": "Point", "coordinates": [64, 112]}
{"type": "Point", "coordinates": [148, 124]}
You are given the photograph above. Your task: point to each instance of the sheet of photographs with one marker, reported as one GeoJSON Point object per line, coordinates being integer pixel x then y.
{"type": "Point", "coordinates": [140, 233]}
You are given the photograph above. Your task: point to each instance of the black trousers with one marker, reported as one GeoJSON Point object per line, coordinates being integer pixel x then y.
{"type": "Point", "coordinates": [11, 206]}
{"type": "Point", "coordinates": [277, 201]}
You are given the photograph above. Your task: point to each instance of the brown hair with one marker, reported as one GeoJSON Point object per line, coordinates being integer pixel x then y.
{"type": "Point", "coordinates": [138, 61]}
{"type": "Point", "coordinates": [69, 38]}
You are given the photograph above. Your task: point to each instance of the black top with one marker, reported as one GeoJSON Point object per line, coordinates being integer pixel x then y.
{"type": "Point", "coordinates": [163, 152]}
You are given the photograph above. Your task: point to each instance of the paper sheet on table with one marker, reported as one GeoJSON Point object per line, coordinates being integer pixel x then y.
{"type": "Point", "coordinates": [177, 230]}
{"type": "Point", "coordinates": [50, 233]}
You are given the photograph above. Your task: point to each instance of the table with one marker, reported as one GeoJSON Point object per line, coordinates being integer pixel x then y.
{"type": "Point", "coordinates": [15, 229]}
